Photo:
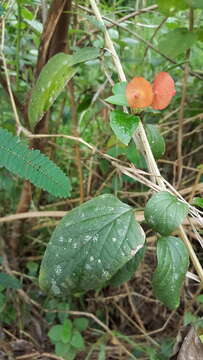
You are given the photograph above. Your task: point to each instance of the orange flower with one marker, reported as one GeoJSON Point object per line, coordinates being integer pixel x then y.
{"type": "Point", "coordinates": [163, 89]}
{"type": "Point", "coordinates": [139, 93]}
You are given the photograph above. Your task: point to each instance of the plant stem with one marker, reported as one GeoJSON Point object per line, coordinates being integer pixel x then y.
{"type": "Point", "coordinates": [144, 141]}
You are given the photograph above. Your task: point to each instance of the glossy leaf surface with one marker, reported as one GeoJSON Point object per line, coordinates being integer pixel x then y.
{"type": "Point", "coordinates": [164, 212]}
{"type": "Point", "coordinates": [52, 80]}
{"type": "Point", "coordinates": [172, 264]}
{"type": "Point", "coordinates": [156, 140]}
{"type": "Point", "coordinates": [117, 99]}
{"type": "Point", "coordinates": [123, 125]}
{"type": "Point", "coordinates": [127, 271]}
{"type": "Point", "coordinates": [90, 244]}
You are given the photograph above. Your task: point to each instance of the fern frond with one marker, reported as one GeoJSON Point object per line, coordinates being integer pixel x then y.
{"type": "Point", "coordinates": [32, 165]}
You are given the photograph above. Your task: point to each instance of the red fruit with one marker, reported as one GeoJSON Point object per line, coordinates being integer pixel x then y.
{"type": "Point", "coordinates": [163, 89]}
{"type": "Point", "coordinates": [139, 93]}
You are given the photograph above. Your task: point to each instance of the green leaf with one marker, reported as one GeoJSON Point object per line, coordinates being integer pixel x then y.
{"type": "Point", "coordinates": [67, 331]}
{"type": "Point", "coordinates": [199, 33]}
{"type": "Point", "coordinates": [82, 55]}
{"type": "Point", "coordinates": [197, 201]}
{"type": "Point", "coordinates": [62, 315]}
{"type": "Point", "coordinates": [96, 23]}
{"type": "Point", "coordinates": [90, 244]}
{"type": "Point", "coordinates": [173, 261]}
{"type": "Point", "coordinates": [164, 212]}
{"type": "Point", "coordinates": [119, 88]}
{"type": "Point", "coordinates": [189, 318]}
{"type": "Point", "coordinates": [66, 351]}
{"type": "Point", "coordinates": [156, 140]}
{"type": "Point", "coordinates": [9, 282]}
{"type": "Point", "coordinates": [195, 3]}
{"type": "Point", "coordinates": [32, 165]}
{"type": "Point", "coordinates": [135, 156]}
{"type": "Point", "coordinates": [200, 298]}
{"type": "Point", "coordinates": [176, 42]}
{"type": "Point", "coordinates": [51, 81]}
{"type": "Point", "coordinates": [123, 125]}
{"type": "Point", "coordinates": [55, 333]}
{"type": "Point", "coordinates": [77, 340]}
{"type": "Point", "coordinates": [102, 352]}
{"type": "Point", "coordinates": [81, 323]}
{"type": "Point", "coordinates": [118, 99]}
{"type": "Point", "coordinates": [170, 7]}
{"type": "Point", "coordinates": [126, 272]}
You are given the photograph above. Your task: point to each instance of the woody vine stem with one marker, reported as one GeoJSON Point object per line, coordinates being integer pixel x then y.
{"type": "Point", "coordinates": [141, 138]}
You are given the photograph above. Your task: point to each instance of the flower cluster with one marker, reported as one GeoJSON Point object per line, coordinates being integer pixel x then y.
{"type": "Point", "coordinates": [140, 93]}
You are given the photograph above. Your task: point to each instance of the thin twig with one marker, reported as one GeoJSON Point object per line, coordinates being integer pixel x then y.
{"type": "Point", "coordinates": [154, 34]}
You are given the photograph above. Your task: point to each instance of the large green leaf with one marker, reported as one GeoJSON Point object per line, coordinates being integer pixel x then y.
{"type": "Point", "coordinates": [156, 140]}
{"type": "Point", "coordinates": [123, 125]}
{"type": "Point", "coordinates": [173, 261]}
{"type": "Point", "coordinates": [53, 78]}
{"type": "Point", "coordinates": [90, 244]}
{"type": "Point", "coordinates": [176, 42]}
{"type": "Point", "coordinates": [126, 272]}
{"type": "Point", "coordinates": [170, 7]}
{"type": "Point", "coordinates": [164, 212]}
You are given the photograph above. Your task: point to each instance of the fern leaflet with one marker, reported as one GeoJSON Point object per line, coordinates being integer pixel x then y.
{"type": "Point", "coordinates": [32, 165]}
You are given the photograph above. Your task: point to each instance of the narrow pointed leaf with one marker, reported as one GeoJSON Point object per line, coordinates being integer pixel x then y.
{"type": "Point", "coordinates": [173, 261]}
{"type": "Point", "coordinates": [51, 81]}
{"type": "Point", "coordinates": [123, 125]}
{"type": "Point", "coordinates": [90, 244]}
{"type": "Point", "coordinates": [164, 212]}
